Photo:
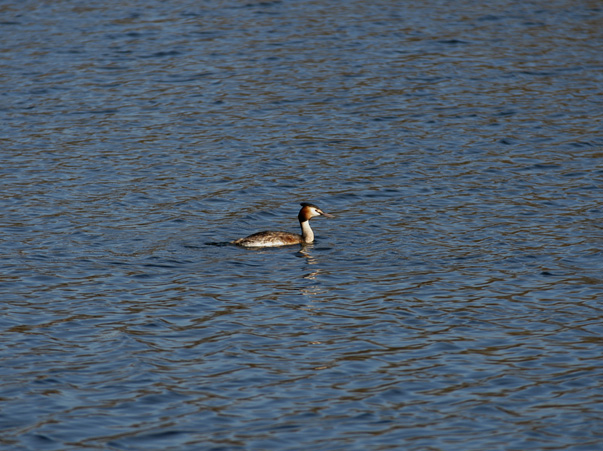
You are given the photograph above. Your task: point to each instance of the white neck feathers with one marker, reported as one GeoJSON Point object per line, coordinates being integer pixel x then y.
{"type": "Point", "coordinates": [307, 233]}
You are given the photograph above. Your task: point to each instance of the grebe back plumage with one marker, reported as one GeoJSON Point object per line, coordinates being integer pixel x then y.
{"type": "Point", "coordinates": [273, 239]}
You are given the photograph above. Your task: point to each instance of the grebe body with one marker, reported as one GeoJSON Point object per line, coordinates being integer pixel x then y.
{"type": "Point", "coordinates": [274, 239]}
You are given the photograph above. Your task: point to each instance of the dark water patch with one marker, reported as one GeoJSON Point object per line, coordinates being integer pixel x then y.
{"type": "Point", "coordinates": [161, 54]}
{"type": "Point", "coordinates": [581, 144]}
{"type": "Point", "coordinates": [453, 41]}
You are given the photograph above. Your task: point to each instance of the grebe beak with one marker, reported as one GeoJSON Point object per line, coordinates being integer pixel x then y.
{"type": "Point", "coordinates": [326, 215]}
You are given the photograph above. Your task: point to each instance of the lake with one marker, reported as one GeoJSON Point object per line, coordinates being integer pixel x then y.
{"type": "Point", "coordinates": [455, 302]}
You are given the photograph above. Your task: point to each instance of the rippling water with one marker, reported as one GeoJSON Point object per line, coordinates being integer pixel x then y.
{"type": "Point", "coordinates": [453, 304]}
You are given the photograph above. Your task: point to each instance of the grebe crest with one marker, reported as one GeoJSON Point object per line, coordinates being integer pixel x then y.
{"type": "Point", "coordinates": [273, 239]}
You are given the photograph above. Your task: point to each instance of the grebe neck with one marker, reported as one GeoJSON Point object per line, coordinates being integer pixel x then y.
{"type": "Point", "coordinates": [307, 233]}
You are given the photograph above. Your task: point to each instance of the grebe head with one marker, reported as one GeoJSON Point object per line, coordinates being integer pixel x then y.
{"type": "Point", "coordinates": [310, 211]}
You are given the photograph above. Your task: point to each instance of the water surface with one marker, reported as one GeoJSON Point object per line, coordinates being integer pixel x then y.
{"type": "Point", "coordinates": [454, 302]}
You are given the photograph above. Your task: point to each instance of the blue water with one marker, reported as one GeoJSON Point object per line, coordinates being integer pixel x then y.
{"type": "Point", "coordinates": [454, 303]}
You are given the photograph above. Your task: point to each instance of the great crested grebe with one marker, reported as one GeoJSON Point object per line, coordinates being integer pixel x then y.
{"type": "Point", "coordinates": [273, 239]}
